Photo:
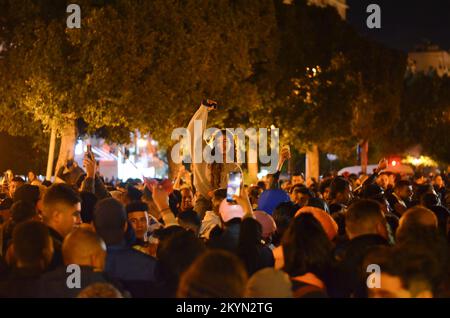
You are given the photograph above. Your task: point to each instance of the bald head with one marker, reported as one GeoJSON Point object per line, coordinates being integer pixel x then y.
{"type": "Point", "coordinates": [418, 216]}
{"type": "Point", "coordinates": [85, 248]}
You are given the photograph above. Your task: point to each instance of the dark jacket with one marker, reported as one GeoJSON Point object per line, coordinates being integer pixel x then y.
{"type": "Point", "coordinates": [124, 263]}
{"type": "Point", "coordinates": [349, 270]}
{"type": "Point", "coordinates": [229, 239]}
{"type": "Point", "coordinates": [57, 259]}
{"type": "Point", "coordinates": [21, 283]}
{"type": "Point", "coordinates": [54, 284]}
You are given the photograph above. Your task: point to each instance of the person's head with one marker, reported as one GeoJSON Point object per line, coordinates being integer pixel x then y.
{"type": "Point", "coordinates": [318, 203]}
{"type": "Point", "coordinates": [438, 181]}
{"type": "Point", "coordinates": [417, 216]}
{"type": "Point", "coordinates": [110, 221]}
{"type": "Point", "coordinates": [22, 211]}
{"type": "Point", "coordinates": [429, 199]}
{"type": "Point", "coordinates": [88, 202]}
{"type": "Point", "coordinates": [61, 208]}
{"type": "Point", "coordinates": [416, 221]}
{"type": "Point", "coordinates": [214, 274]}
{"type": "Point", "coordinates": [383, 180]}
{"type": "Point", "coordinates": [405, 272]}
{"type": "Point", "coordinates": [306, 247]}
{"type": "Point", "coordinates": [250, 237]}
{"type": "Point", "coordinates": [218, 196]}
{"type": "Point", "coordinates": [403, 189]}
{"type": "Point", "coordinates": [298, 178]}
{"type": "Point", "coordinates": [137, 214]}
{"type": "Point", "coordinates": [282, 215]}
{"type": "Point", "coordinates": [261, 185]}
{"type": "Point", "coordinates": [187, 199]}
{"type": "Point", "coordinates": [190, 220]}
{"type": "Point", "coordinates": [31, 176]}
{"type": "Point", "coordinates": [177, 252]}
{"type": "Point", "coordinates": [324, 188]}
{"type": "Point", "coordinates": [419, 178]}
{"type": "Point", "coordinates": [15, 183]}
{"type": "Point", "coordinates": [300, 194]}
{"type": "Point", "coordinates": [85, 248]}
{"type": "Point", "coordinates": [365, 217]}
{"type": "Point", "coordinates": [340, 190]}
{"type": "Point", "coordinates": [269, 283]}
{"type": "Point", "coordinates": [100, 290]}
{"type": "Point", "coordinates": [27, 192]}
{"type": "Point", "coordinates": [32, 245]}
{"type": "Point", "coordinates": [253, 194]}
{"type": "Point", "coordinates": [132, 194]}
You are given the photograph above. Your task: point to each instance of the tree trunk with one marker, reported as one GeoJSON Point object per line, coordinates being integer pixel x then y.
{"type": "Point", "coordinates": [173, 167]}
{"type": "Point", "coordinates": [67, 148]}
{"type": "Point", "coordinates": [312, 163]}
{"type": "Point", "coordinates": [364, 146]}
{"type": "Point", "coordinates": [51, 154]}
{"type": "Point", "coordinates": [252, 172]}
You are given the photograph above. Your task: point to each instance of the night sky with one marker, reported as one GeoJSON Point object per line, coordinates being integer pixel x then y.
{"type": "Point", "coordinates": [405, 23]}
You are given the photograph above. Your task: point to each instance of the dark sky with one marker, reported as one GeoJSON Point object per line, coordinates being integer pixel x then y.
{"type": "Point", "coordinates": [405, 23]}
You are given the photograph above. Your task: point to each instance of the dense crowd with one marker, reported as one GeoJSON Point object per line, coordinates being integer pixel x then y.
{"type": "Point", "coordinates": [181, 238]}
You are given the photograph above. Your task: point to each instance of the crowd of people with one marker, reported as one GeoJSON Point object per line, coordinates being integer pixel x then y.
{"type": "Point", "coordinates": [291, 238]}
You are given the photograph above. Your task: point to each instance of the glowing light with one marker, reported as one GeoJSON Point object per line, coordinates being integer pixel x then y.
{"type": "Point", "coordinates": [79, 147]}
{"type": "Point", "coordinates": [394, 163]}
{"type": "Point", "coordinates": [142, 143]}
{"type": "Point", "coordinates": [420, 161]}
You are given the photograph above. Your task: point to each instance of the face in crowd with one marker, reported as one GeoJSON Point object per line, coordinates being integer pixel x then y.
{"type": "Point", "coordinates": [139, 222]}
{"type": "Point", "coordinates": [187, 200]}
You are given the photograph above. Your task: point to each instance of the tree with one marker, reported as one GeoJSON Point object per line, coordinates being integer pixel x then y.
{"type": "Point", "coordinates": [133, 64]}
{"type": "Point", "coordinates": [424, 119]}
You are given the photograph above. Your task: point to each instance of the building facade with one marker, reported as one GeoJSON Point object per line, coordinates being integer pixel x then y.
{"type": "Point", "coordinates": [429, 60]}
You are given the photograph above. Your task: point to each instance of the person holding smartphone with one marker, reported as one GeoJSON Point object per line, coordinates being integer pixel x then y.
{"type": "Point", "coordinates": [209, 176]}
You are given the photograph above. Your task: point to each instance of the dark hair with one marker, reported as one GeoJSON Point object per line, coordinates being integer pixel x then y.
{"type": "Point", "coordinates": [402, 183]}
{"type": "Point", "coordinates": [318, 203]}
{"type": "Point", "coordinates": [133, 194]}
{"type": "Point", "coordinates": [109, 220]}
{"type": "Point", "coordinates": [412, 264]}
{"type": "Point", "coordinates": [189, 217]}
{"type": "Point", "coordinates": [338, 185]}
{"type": "Point", "coordinates": [17, 179]}
{"type": "Point", "coordinates": [46, 183]}
{"type": "Point", "coordinates": [31, 239]}
{"type": "Point", "coordinates": [214, 274]}
{"type": "Point", "coordinates": [250, 236]}
{"type": "Point", "coordinates": [27, 192]}
{"type": "Point", "coordinates": [22, 211]}
{"type": "Point", "coordinates": [61, 193]}
{"type": "Point", "coordinates": [429, 199]}
{"type": "Point", "coordinates": [220, 194]}
{"type": "Point", "coordinates": [303, 190]}
{"type": "Point", "coordinates": [326, 183]}
{"type": "Point", "coordinates": [136, 206]}
{"type": "Point", "coordinates": [175, 255]}
{"type": "Point", "coordinates": [282, 215]}
{"type": "Point", "coordinates": [88, 202]}
{"type": "Point", "coordinates": [306, 247]}
{"type": "Point", "coordinates": [166, 232]}
{"type": "Point", "coordinates": [363, 214]}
